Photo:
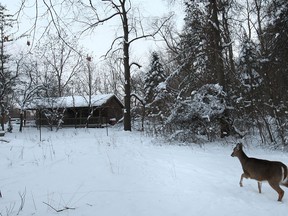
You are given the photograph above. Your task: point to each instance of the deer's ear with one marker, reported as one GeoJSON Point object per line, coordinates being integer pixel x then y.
{"type": "Point", "coordinates": [239, 145]}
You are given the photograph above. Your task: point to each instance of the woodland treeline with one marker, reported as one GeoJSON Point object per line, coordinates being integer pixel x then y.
{"type": "Point", "coordinates": [223, 74]}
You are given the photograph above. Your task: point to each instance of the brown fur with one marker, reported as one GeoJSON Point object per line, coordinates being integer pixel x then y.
{"type": "Point", "coordinates": [262, 170]}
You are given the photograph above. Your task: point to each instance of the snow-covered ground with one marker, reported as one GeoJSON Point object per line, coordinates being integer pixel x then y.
{"type": "Point", "coordinates": [87, 172]}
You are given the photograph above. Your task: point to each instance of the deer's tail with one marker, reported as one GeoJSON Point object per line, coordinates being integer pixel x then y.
{"type": "Point", "coordinates": [284, 175]}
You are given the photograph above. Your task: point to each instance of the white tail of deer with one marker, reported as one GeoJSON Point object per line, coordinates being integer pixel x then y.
{"type": "Point", "coordinates": [274, 172]}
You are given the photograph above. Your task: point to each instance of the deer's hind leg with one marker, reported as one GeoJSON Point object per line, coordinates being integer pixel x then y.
{"type": "Point", "coordinates": [259, 186]}
{"type": "Point", "coordinates": [277, 188]}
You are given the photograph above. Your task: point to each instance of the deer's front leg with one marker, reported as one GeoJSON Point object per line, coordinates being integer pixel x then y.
{"type": "Point", "coordinates": [244, 175]}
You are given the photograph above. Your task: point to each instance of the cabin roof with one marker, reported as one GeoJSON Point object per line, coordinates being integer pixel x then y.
{"type": "Point", "coordinates": [72, 101]}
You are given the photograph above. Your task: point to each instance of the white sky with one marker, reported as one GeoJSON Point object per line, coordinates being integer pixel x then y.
{"type": "Point", "coordinates": [99, 42]}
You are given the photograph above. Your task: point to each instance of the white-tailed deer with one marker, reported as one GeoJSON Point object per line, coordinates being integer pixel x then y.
{"type": "Point", "coordinates": [274, 172]}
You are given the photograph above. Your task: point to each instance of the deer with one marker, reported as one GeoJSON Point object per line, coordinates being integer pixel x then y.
{"type": "Point", "coordinates": [275, 172]}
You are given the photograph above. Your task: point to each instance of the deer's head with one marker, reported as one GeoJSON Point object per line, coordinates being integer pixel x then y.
{"type": "Point", "coordinates": [236, 151]}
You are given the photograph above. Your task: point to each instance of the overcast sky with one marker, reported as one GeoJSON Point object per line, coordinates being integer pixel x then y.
{"type": "Point", "coordinates": [99, 42]}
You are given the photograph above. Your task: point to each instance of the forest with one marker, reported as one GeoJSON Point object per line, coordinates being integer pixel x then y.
{"type": "Point", "coordinates": [223, 74]}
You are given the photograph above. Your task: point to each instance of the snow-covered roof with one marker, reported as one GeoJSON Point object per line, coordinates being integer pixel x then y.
{"type": "Point", "coordinates": [71, 101]}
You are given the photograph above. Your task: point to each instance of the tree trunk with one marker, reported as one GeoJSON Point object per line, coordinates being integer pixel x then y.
{"type": "Point", "coordinates": [2, 118]}
{"type": "Point", "coordinates": [127, 87]}
{"type": "Point", "coordinates": [217, 58]}
{"type": "Point", "coordinates": [216, 43]}
{"type": "Point", "coordinates": [21, 121]}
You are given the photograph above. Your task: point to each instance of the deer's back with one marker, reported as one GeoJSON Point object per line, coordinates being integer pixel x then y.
{"type": "Point", "coordinates": [264, 170]}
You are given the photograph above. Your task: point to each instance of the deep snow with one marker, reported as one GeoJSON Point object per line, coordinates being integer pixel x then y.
{"type": "Point", "coordinates": [85, 172]}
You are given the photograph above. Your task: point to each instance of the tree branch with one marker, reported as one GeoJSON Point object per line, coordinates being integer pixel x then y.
{"type": "Point", "coordinates": [154, 33]}
{"type": "Point", "coordinates": [111, 47]}
{"type": "Point", "coordinates": [91, 26]}
{"type": "Point", "coordinates": [59, 210]}
{"type": "Point", "coordinates": [135, 63]}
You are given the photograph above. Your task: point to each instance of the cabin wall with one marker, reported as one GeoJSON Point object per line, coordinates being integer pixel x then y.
{"type": "Point", "coordinates": [111, 112]}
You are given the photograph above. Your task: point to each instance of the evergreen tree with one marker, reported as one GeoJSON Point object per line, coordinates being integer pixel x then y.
{"type": "Point", "coordinates": [192, 58]}
{"type": "Point", "coordinates": [6, 77]}
{"type": "Point", "coordinates": [202, 56]}
{"type": "Point", "coordinates": [274, 70]}
{"type": "Point", "coordinates": [274, 60]}
{"type": "Point", "coordinates": [153, 78]}
{"type": "Point", "coordinates": [248, 70]}
{"type": "Point", "coordinates": [155, 92]}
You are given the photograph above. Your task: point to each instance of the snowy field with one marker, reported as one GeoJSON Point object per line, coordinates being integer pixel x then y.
{"type": "Point", "coordinates": [84, 172]}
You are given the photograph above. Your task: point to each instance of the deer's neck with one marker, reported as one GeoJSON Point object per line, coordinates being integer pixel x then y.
{"type": "Point", "coordinates": [243, 158]}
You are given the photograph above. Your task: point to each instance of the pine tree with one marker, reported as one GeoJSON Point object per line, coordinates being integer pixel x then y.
{"type": "Point", "coordinates": [248, 69]}
{"type": "Point", "coordinates": [274, 69]}
{"type": "Point", "coordinates": [155, 92]}
{"type": "Point", "coordinates": [202, 56]}
{"type": "Point", "coordinates": [192, 58]}
{"type": "Point", "coordinates": [6, 77]}
{"type": "Point", "coordinates": [153, 78]}
{"type": "Point", "coordinates": [274, 61]}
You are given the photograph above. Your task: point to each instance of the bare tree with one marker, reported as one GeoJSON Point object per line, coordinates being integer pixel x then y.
{"type": "Point", "coordinates": [63, 62]}
{"type": "Point", "coordinates": [132, 30]}
{"type": "Point", "coordinates": [90, 16]}
{"type": "Point", "coordinates": [113, 75]}
{"type": "Point", "coordinates": [28, 85]}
